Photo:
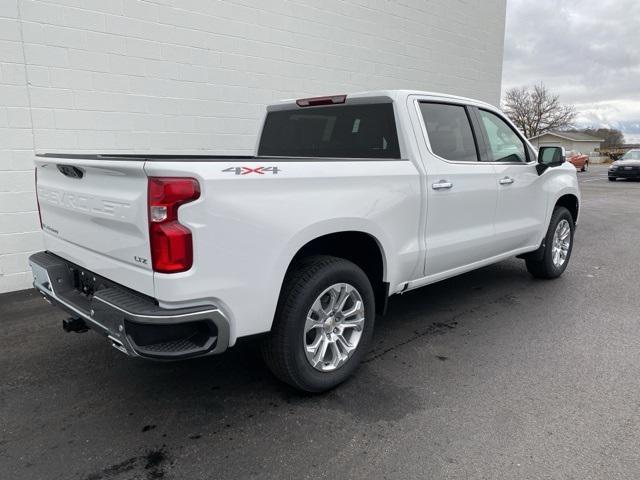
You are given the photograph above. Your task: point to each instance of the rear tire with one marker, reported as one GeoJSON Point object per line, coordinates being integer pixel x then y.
{"type": "Point", "coordinates": [585, 167]}
{"type": "Point", "coordinates": [612, 179]}
{"type": "Point", "coordinates": [558, 245]}
{"type": "Point", "coordinates": [308, 316]}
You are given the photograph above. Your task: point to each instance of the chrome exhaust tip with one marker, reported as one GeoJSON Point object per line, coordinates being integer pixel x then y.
{"type": "Point", "coordinates": [118, 345]}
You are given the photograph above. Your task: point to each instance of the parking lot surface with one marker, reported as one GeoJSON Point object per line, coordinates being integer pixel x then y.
{"type": "Point", "coordinates": [489, 375]}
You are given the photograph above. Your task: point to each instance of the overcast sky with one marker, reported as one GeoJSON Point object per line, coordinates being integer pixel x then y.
{"type": "Point", "coordinates": [587, 51]}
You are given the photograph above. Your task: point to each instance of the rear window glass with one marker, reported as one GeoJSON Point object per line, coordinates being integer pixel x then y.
{"type": "Point", "coordinates": [348, 131]}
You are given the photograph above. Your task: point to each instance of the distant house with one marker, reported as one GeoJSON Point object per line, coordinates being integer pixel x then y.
{"type": "Point", "coordinates": [577, 141]}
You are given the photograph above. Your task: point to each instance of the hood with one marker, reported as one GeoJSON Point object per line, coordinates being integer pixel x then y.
{"type": "Point", "coordinates": [627, 163]}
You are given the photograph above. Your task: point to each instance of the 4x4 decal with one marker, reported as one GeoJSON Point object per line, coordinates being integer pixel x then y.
{"type": "Point", "coordinates": [250, 170]}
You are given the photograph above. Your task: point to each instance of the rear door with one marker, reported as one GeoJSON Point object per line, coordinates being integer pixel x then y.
{"type": "Point", "coordinates": [94, 214]}
{"type": "Point", "coordinates": [461, 192]}
{"type": "Point", "coordinates": [522, 202]}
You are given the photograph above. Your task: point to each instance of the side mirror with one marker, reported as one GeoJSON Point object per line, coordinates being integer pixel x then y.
{"type": "Point", "coordinates": [550, 157]}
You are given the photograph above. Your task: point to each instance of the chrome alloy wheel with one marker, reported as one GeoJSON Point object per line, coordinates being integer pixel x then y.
{"type": "Point", "coordinates": [561, 243]}
{"type": "Point", "coordinates": [333, 327]}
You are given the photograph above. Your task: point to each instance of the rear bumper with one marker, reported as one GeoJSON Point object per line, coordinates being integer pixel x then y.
{"type": "Point", "coordinates": [133, 323]}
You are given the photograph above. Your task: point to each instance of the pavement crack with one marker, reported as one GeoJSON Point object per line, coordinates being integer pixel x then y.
{"type": "Point", "coordinates": [439, 328]}
{"type": "Point", "coordinates": [436, 328]}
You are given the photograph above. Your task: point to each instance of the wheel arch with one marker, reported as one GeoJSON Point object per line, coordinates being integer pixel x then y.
{"type": "Point", "coordinates": [568, 199]}
{"type": "Point", "coordinates": [360, 247]}
{"type": "Point", "coordinates": [571, 202]}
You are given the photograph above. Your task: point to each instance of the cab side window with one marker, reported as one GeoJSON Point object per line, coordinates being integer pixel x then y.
{"type": "Point", "coordinates": [449, 131]}
{"type": "Point", "coordinates": [504, 145]}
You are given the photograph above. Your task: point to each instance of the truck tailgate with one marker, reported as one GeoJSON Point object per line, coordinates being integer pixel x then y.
{"type": "Point", "coordinates": [94, 214]}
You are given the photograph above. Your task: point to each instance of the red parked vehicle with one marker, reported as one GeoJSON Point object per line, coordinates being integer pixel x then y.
{"type": "Point", "coordinates": [579, 160]}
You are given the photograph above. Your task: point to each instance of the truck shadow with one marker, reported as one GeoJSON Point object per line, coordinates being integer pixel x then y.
{"type": "Point", "coordinates": [154, 412]}
{"type": "Point", "coordinates": [238, 383]}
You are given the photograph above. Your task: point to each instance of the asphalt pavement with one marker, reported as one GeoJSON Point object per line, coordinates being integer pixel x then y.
{"type": "Point", "coordinates": [489, 375]}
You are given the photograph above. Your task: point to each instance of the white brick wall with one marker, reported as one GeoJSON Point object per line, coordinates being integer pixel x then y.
{"type": "Point", "coordinates": [193, 76]}
{"type": "Point", "coordinates": [19, 228]}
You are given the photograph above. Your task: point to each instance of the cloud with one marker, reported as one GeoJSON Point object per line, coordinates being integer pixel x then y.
{"type": "Point", "coordinates": [587, 51]}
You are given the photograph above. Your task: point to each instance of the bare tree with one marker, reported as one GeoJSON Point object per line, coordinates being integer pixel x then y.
{"type": "Point", "coordinates": [535, 110]}
{"type": "Point", "coordinates": [612, 136]}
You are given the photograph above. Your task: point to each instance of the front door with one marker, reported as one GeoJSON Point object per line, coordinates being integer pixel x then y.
{"type": "Point", "coordinates": [522, 202]}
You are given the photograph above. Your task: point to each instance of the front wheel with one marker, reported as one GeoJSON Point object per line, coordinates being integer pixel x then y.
{"type": "Point", "coordinates": [324, 322]}
{"type": "Point", "coordinates": [558, 244]}
{"type": "Point", "coordinates": [612, 179]}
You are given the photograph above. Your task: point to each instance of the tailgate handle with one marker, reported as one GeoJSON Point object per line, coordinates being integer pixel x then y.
{"type": "Point", "coordinates": [71, 171]}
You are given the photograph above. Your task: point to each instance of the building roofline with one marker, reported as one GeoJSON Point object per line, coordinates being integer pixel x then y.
{"type": "Point", "coordinates": [555, 134]}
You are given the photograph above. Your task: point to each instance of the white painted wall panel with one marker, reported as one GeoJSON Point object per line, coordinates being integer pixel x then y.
{"type": "Point", "coordinates": [19, 227]}
{"type": "Point", "coordinates": [193, 76]}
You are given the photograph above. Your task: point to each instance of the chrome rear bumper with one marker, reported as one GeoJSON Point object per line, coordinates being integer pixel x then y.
{"type": "Point", "coordinates": [133, 323]}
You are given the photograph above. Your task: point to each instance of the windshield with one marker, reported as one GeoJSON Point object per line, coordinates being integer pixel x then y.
{"type": "Point", "coordinates": [632, 155]}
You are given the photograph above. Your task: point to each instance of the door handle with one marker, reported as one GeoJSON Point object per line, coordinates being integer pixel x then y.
{"type": "Point", "coordinates": [506, 181]}
{"type": "Point", "coordinates": [442, 185]}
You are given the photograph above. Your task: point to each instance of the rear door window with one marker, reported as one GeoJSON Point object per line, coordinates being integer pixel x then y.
{"type": "Point", "coordinates": [449, 130]}
{"type": "Point", "coordinates": [344, 131]}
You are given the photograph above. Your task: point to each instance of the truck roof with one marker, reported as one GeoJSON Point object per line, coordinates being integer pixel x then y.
{"type": "Point", "coordinates": [395, 95]}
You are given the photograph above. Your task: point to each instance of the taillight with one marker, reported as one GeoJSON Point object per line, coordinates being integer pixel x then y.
{"type": "Point", "coordinates": [171, 243]}
{"type": "Point", "coordinates": [37, 200]}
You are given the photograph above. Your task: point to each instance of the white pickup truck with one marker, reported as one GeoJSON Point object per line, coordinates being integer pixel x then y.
{"type": "Point", "coordinates": [348, 200]}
